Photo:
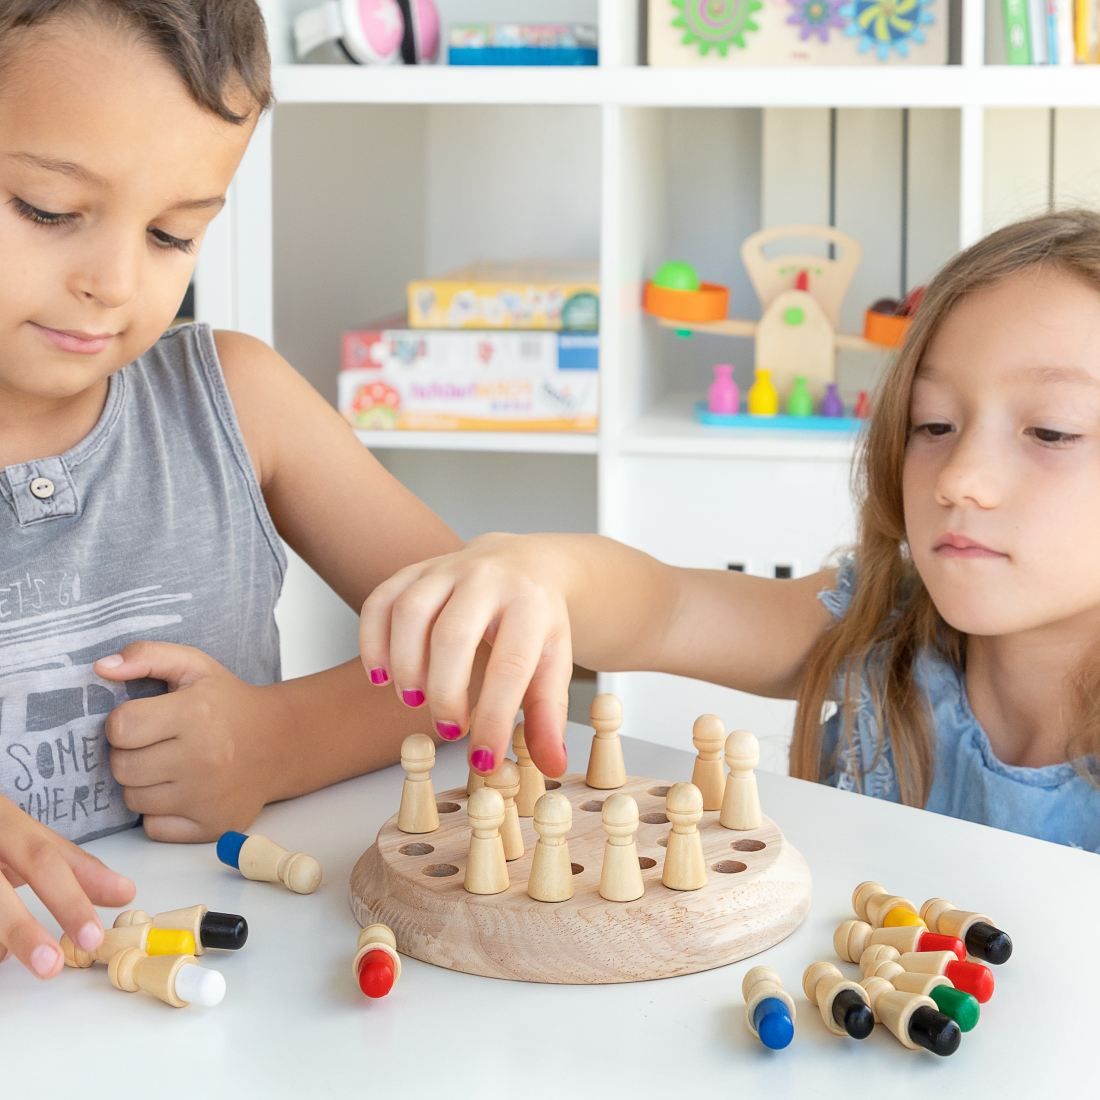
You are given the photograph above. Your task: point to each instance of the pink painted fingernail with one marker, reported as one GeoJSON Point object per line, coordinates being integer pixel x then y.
{"type": "Point", "coordinates": [378, 676]}
{"type": "Point", "coordinates": [113, 661]}
{"type": "Point", "coordinates": [412, 698]}
{"type": "Point", "coordinates": [483, 760]}
{"type": "Point", "coordinates": [449, 731]}
{"type": "Point", "coordinates": [90, 936]}
{"type": "Point", "coordinates": [44, 959]}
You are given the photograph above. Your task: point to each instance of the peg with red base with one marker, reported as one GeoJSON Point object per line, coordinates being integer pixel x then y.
{"type": "Point", "coordinates": [853, 937]}
{"type": "Point", "coordinates": [377, 965]}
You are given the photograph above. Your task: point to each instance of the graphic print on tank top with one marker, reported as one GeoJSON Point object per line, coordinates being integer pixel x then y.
{"type": "Point", "coordinates": [53, 707]}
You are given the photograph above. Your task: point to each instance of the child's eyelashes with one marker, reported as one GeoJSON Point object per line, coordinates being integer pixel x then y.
{"type": "Point", "coordinates": [1052, 438]}
{"type": "Point", "coordinates": [48, 218]}
{"type": "Point", "coordinates": [934, 429]}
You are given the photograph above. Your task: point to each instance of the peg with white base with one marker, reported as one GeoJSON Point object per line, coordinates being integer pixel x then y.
{"type": "Point", "coordinates": [418, 813]}
{"type": "Point", "coordinates": [685, 868]}
{"type": "Point", "coordinates": [843, 1003]}
{"type": "Point", "coordinates": [606, 769]}
{"type": "Point", "coordinates": [377, 965]}
{"type": "Point", "coordinates": [620, 875]}
{"type": "Point", "coordinates": [708, 735]}
{"type": "Point", "coordinates": [532, 785]}
{"type": "Point", "coordinates": [741, 799]}
{"type": "Point", "coordinates": [223, 931]}
{"type": "Point", "coordinates": [913, 1019]}
{"type": "Point", "coordinates": [486, 870]}
{"type": "Point", "coordinates": [769, 1009]}
{"type": "Point", "coordinates": [506, 780]}
{"type": "Point", "coordinates": [175, 979]}
{"type": "Point", "coordinates": [262, 860]}
{"type": "Point", "coordinates": [551, 870]}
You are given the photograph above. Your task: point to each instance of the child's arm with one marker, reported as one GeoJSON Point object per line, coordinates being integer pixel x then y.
{"type": "Point", "coordinates": [207, 756]}
{"type": "Point", "coordinates": [67, 879]}
{"type": "Point", "coordinates": [545, 600]}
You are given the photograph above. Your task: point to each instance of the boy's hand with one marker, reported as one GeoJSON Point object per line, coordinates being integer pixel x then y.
{"type": "Point", "coordinates": [421, 629]}
{"type": "Point", "coordinates": [65, 877]}
{"type": "Point", "coordinates": [192, 761]}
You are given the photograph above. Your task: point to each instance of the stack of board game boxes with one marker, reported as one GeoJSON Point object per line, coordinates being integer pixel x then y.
{"type": "Point", "coordinates": [491, 347]}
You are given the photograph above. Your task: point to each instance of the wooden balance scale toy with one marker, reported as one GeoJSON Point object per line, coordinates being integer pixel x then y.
{"type": "Point", "coordinates": [739, 886]}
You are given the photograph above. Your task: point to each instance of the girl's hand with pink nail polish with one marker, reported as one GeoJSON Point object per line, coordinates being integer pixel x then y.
{"type": "Point", "coordinates": [68, 880]}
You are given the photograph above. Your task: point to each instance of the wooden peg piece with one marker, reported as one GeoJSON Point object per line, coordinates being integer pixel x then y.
{"type": "Point", "coordinates": [506, 780]}
{"type": "Point", "coordinates": [685, 868]}
{"type": "Point", "coordinates": [760, 984]}
{"type": "Point", "coordinates": [741, 800]}
{"type": "Point", "coordinates": [376, 937]}
{"type": "Point", "coordinates": [114, 941]}
{"type": "Point", "coordinates": [854, 937]}
{"type": "Point", "coordinates": [709, 774]}
{"type": "Point", "coordinates": [822, 982]}
{"type": "Point", "coordinates": [894, 1008]}
{"type": "Point", "coordinates": [474, 780]}
{"type": "Point", "coordinates": [131, 969]}
{"type": "Point", "coordinates": [133, 916]}
{"type": "Point", "coordinates": [606, 769]}
{"type": "Point", "coordinates": [262, 860]}
{"type": "Point", "coordinates": [551, 871]}
{"type": "Point", "coordinates": [418, 813]}
{"type": "Point", "coordinates": [621, 874]}
{"type": "Point", "coordinates": [532, 786]}
{"type": "Point", "coordinates": [876, 955]}
{"type": "Point", "coordinates": [486, 870]}
{"type": "Point", "coordinates": [873, 904]}
{"type": "Point", "coordinates": [943, 918]}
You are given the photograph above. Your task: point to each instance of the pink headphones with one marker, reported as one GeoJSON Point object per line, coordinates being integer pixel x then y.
{"type": "Point", "coordinates": [371, 32]}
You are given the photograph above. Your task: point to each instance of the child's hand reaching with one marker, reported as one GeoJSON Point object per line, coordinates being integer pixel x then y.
{"type": "Point", "coordinates": [421, 630]}
{"type": "Point", "coordinates": [67, 879]}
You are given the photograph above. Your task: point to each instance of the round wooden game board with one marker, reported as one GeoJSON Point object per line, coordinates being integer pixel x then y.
{"type": "Point", "coordinates": [757, 893]}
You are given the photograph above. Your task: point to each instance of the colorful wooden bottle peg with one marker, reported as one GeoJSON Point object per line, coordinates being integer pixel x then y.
{"type": "Point", "coordinates": [881, 961]}
{"type": "Point", "coordinates": [982, 939]}
{"type": "Point", "coordinates": [853, 937]}
{"type": "Point", "coordinates": [175, 979]}
{"type": "Point", "coordinates": [418, 813]}
{"type": "Point", "coordinates": [914, 1020]}
{"type": "Point", "coordinates": [222, 931]}
{"type": "Point", "coordinates": [606, 769]}
{"type": "Point", "coordinates": [769, 1009]}
{"type": "Point", "coordinates": [262, 860]}
{"type": "Point", "coordinates": [973, 978]}
{"type": "Point", "coordinates": [708, 735]}
{"type": "Point", "coordinates": [377, 965]}
{"type": "Point", "coordinates": [146, 938]}
{"type": "Point", "coordinates": [843, 1003]}
{"type": "Point", "coordinates": [882, 910]}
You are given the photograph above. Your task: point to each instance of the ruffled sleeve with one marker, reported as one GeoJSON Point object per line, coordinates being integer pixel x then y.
{"type": "Point", "coordinates": [837, 599]}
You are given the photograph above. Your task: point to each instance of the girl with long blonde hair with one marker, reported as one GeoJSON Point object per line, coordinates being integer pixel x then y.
{"type": "Point", "coordinates": [960, 637]}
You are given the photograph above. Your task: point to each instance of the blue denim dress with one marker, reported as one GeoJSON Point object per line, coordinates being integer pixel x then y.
{"type": "Point", "coordinates": [1052, 803]}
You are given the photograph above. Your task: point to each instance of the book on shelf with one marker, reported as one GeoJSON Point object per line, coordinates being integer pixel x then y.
{"type": "Point", "coordinates": [1051, 32]}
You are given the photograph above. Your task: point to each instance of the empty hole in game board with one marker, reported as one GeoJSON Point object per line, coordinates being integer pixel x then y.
{"type": "Point", "coordinates": [592, 807]}
{"type": "Point", "coordinates": [447, 807]}
{"type": "Point", "coordinates": [663, 842]}
{"type": "Point", "coordinates": [654, 819]}
{"type": "Point", "coordinates": [416, 850]}
{"type": "Point", "coordinates": [645, 862]}
{"type": "Point", "coordinates": [728, 867]}
{"type": "Point", "coordinates": [748, 845]}
{"type": "Point", "coordinates": [658, 792]}
{"type": "Point", "coordinates": [551, 784]}
{"type": "Point", "coordinates": [439, 870]}
{"type": "Point", "coordinates": [576, 868]}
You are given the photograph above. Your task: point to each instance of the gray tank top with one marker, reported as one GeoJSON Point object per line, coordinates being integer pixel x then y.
{"type": "Point", "coordinates": [153, 527]}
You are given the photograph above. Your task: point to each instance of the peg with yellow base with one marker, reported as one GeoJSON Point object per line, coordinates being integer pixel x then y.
{"type": "Point", "coordinates": [222, 931]}
{"type": "Point", "coordinates": [146, 938]}
{"type": "Point", "coordinates": [881, 909]}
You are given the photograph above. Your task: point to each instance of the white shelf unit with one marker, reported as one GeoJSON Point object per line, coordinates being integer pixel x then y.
{"type": "Point", "coordinates": [365, 177]}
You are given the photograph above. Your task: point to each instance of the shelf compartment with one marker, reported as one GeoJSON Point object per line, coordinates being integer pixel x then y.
{"type": "Point", "coordinates": [563, 443]}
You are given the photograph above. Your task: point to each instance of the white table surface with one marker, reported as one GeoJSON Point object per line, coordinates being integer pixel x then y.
{"type": "Point", "coordinates": [294, 1024]}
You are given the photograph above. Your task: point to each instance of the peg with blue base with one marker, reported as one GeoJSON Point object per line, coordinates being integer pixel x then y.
{"type": "Point", "coordinates": [769, 1009]}
{"type": "Point", "coordinates": [262, 860]}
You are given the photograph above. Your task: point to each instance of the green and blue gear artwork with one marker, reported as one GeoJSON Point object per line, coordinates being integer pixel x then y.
{"type": "Point", "coordinates": [717, 23]}
{"type": "Point", "coordinates": [883, 25]}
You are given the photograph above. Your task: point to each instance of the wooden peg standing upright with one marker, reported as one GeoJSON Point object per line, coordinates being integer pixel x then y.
{"type": "Point", "coordinates": [262, 860]}
{"type": "Point", "coordinates": [709, 774]}
{"type": "Point", "coordinates": [532, 786]}
{"type": "Point", "coordinates": [551, 871]}
{"type": "Point", "coordinates": [621, 874]}
{"type": "Point", "coordinates": [486, 870]}
{"type": "Point", "coordinates": [418, 813]}
{"type": "Point", "coordinates": [506, 780]}
{"type": "Point", "coordinates": [606, 769]}
{"type": "Point", "coordinates": [741, 801]}
{"type": "Point", "coordinates": [685, 868]}
{"type": "Point", "coordinates": [874, 905]}
{"type": "Point", "coordinates": [473, 781]}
